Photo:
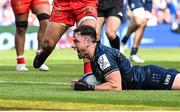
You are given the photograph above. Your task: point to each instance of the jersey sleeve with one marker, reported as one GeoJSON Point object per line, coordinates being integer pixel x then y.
{"type": "Point", "coordinates": [107, 64]}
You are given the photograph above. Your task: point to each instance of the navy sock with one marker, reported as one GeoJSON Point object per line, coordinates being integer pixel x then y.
{"type": "Point", "coordinates": [134, 51]}
{"type": "Point", "coordinates": [98, 42]}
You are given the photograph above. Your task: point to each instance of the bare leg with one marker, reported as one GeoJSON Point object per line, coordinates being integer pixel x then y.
{"type": "Point", "coordinates": [139, 34]}
{"type": "Point", "coordinates": [176, 84]}
{"type": "Point", "coordinates": [112, 25]}
{"type": "Point", "coordinates": [20, 34]}
{"type": "Point", "coordinates": [131, 28]}
{"type": "Point", "coordinates": [21, 26]}
{"type": "Point", "coordinates": [50, 39]}
{"type": "Point", "coordinates": [44, 8]}
{"type": "Point", "coordinates": [141, 22]}
{"type": "Point", "coordinates": [100, 23]}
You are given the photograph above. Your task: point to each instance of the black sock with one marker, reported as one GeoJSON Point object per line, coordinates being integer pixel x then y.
{"type": "Point", "coordinates": [134, 51]}
{"type": "Point", "coordinates": [115, 43]}
{"type": "Point", "coordinates": [124, 40]}
{"type": "Point", "coordinates": [98, 42]}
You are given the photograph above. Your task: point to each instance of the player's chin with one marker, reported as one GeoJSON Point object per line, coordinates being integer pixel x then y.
{"type": "Point", "coordinates": [79, 55]}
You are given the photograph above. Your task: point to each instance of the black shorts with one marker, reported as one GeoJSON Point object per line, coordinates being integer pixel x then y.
{"type": "Point", "coordinates": [108, 8]}
{"type": "Point", "coordinates": [158, 78]}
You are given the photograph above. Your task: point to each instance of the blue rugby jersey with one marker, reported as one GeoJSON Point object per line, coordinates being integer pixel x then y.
{"type": "Point", "coordinates": [107, 60]}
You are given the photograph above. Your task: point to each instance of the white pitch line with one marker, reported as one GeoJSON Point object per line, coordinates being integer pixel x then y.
{"type": "Point", "coordinates": [31, 82]}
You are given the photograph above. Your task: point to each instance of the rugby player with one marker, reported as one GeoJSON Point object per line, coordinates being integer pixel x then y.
{"type": "Point", "coordinates": [21, 9]}
{"type": "Point", "coordinates": [115, 72]}
{"type": "Point", "coordinates": [66, 13]}
{"type": "Point", "coordinates": [141, 13]}
{"type": "Point", "coordinates": [110, 14]}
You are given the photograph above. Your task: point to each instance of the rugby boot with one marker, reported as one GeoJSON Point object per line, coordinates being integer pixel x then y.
{"type": "Point", "coordinates": [39, 59]}
{"type": "Point", "coordinates": [137, 59]}
{"type": "Point", "coordinates": [43, 67]}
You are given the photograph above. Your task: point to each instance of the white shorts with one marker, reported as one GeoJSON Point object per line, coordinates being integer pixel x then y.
{"type": "Point", "coordinates": [141, 13]}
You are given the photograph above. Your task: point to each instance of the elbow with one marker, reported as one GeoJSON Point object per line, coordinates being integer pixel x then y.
{"type": "Point", "coordinates": [117, 87]}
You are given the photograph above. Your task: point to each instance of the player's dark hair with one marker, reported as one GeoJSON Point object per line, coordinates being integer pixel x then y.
{"type": "Point", "coordinates": [87, 30]}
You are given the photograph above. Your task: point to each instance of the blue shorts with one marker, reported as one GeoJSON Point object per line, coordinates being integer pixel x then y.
{"type": "Point", "coordinates": [148, 6]}
{"type": "Point", "coordinates": [133, 4]}
{"type": "Point", "coordinates": [158, 78]}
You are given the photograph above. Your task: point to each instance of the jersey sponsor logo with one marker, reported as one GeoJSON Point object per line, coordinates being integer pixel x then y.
{"type": "Point", "coordinates": [103, 62]}
{"type": "Point", "coordinates": [167, 80]}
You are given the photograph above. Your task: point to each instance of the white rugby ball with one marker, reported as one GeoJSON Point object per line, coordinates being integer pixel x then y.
{"type": "Point", "coordinates": [90, 79]}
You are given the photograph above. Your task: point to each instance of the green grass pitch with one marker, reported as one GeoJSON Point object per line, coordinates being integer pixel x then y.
{"type": "Point", "coordinates": [37, 90]}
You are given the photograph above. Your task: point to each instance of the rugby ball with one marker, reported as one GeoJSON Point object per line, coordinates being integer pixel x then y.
{"type": "Point", "coordinates": [90, 79]}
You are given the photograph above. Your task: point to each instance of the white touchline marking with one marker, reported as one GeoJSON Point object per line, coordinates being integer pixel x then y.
{"type": "Point", "coordinates": [4, 64]}
{"type": "Point", "coordinates": [31, 82]}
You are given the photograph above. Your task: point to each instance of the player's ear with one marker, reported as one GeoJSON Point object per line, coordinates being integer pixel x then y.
{"type": "Point", "coordinates": [88, 42]}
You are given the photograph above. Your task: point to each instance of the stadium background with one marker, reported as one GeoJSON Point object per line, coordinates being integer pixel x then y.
{"type": "Point", "coordinates": [162, 35]}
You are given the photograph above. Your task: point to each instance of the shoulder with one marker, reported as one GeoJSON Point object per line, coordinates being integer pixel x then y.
{"type": "Point", "coordinates": [103, 62]}
{"type": "Point", "coordinates": [105, 55]}
{"type": "Point", "coordinates": [105, 49]}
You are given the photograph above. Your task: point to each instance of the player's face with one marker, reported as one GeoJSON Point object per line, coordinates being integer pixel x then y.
{"type": "Point", "coordinates": [79, 45]}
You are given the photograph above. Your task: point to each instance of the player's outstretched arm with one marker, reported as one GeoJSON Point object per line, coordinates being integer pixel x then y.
{"type": "Point", "coordinates": [113, 82]}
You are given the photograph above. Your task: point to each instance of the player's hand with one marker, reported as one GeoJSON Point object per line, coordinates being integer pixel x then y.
{"type": "Point", "coordinates": [76, 81]}
{"type": "Point", "coordinates": [82, 86]}
{"type": "Point", "coordinates": [73, 82]}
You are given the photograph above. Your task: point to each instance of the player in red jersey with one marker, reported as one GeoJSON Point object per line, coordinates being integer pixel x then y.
{"type": "Point", "coordinates": [65, 14]}
{"type": "Point", "coordinates": [21, 9]}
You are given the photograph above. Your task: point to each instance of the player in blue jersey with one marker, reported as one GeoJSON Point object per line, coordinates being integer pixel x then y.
{"type": "Point", "coordinates": [141, 13]}
{"type": "Point", "coordinates": [110, 15]}
{"type": "Point", "coordinates": [114, 70]}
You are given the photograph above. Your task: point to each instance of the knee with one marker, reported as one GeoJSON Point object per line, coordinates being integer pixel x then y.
{"type": "Point", "coordinates": [43, 19]}
{"type": "Point", "coordinates": [20, 30]}
{"type": "Point", "coordinates": [48, 44]}
{"type": "Point", "coordinates": [111, 34]}
{"type": "Point", "coordinates": [21, 27]}
{"type": "Point", "coordinates": [142, 22]}
{"type": "Point", "coordinates": [43, 24]}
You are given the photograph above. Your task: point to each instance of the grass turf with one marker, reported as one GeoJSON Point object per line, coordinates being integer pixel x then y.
{"type": "Point", "coordinates": [36, 90]}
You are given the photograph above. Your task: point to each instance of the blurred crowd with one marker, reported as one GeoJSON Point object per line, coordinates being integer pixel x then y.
{"type": "Point", "coordinates": [6, 14]}
{"type": "Point", "coordinates": [164, 11]}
